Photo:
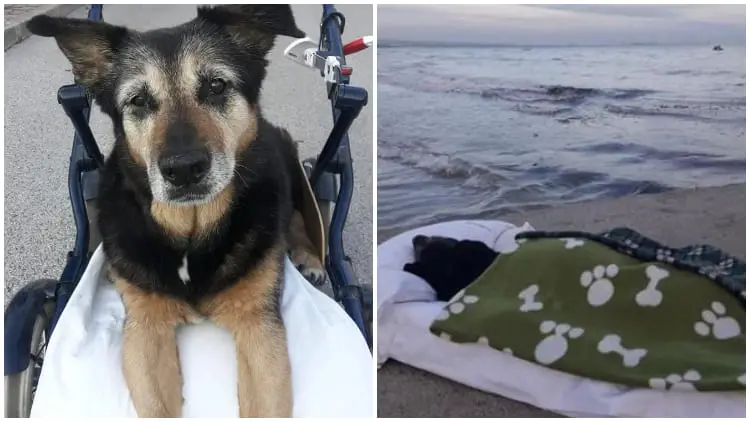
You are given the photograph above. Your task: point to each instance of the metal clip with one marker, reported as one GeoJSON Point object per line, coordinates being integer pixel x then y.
{"type": "Point", "coordinates": [332, 72]}
{"type": "Point", "coordinates": [303, 52]}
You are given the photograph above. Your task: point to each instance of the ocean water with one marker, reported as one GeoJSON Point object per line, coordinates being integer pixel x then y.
{"type": "Point", "coordinates": [473, 132]}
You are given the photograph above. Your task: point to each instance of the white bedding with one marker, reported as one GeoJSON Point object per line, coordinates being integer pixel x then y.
{"type": "Point", "coordinates": [407, 307]}
{"type": "Point", "coordinates": [332, 366]}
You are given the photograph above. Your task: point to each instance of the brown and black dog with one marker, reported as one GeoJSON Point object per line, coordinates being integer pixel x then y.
{"type": "Point", "coordinates": [198, 199]}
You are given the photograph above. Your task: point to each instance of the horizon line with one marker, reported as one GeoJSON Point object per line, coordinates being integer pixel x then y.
{"type": "Point", "coordinates": [396, 43]}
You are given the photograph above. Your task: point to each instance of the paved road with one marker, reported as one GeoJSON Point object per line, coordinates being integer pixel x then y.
{"type": "Point", "coordinates": [39, 226]}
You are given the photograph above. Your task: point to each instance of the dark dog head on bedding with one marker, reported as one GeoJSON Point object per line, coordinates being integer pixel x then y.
{"type": "Point", "coordinates": [184, 100]}
{"type": "Point", "coordinates": [448, 265]}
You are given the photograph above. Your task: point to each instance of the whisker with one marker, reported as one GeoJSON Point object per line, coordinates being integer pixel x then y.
{"type": "Point", "coordinates": [241, 178]}
{"type": "Point", "coordinates": [246, 168]}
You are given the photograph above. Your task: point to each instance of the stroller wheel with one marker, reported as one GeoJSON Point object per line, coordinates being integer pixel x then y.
{"type": "Point", "coordinates": [20, 387]}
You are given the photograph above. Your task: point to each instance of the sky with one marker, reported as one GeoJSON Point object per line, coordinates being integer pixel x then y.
{"type": "Point", "coordinates": [564, 24]}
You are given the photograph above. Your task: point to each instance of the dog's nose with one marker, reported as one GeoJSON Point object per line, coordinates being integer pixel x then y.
{"type": "Point", "coordinates": [186, 167]}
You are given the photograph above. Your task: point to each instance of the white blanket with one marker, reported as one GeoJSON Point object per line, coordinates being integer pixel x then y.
{"type": "Point", "coordinates": [407, 307]}
{"type": "Point", "coordinates": [332, 368]}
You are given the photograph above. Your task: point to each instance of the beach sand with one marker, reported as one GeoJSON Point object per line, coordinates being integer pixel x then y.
{"type": "Point", "coordinates": [704, 215]}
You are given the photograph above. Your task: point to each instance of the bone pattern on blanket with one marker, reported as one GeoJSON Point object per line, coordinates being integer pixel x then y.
{"type": "Point", "coordinates": [407, 307]}
{"type": "Point", "coordinates": [650, 296]}
{"type": "Point", "coordinates": [529, 299]}
{"type": "Point", "coordinates": [613, 343]}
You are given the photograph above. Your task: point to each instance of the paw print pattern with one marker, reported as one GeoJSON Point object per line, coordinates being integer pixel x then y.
{"type": "Point", "coordinates": [726, 264]}
{"type": "Point", "coordinates": [571, 242]}
{"type": "Point", "coordinates": [554, 346]}
{"type": "Point", "coordinates": [457, 305]}
{"type": "Point", "coordinates": [715, 322]}
{"type": "Point", "coordinates": [684, 382]}
{"type": "Point", "coordinates": [664, 255]}
{"type": "Point", "coordinates": [599, 284]}
{"type": "Point", "coordinates": [630, 244]}
{"type": "Point", "coordinates": [698, 251]}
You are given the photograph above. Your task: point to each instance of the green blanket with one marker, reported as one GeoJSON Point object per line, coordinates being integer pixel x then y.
{"type": "Point", "coordinates": [580, 307]}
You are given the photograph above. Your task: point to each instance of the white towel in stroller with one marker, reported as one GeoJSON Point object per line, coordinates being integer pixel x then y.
{"type": "Point", "coordinates": [332, 368]}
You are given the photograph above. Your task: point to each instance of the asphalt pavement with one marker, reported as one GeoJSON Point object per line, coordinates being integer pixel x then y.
{"type": "Point", "coordinates": [39, 228]}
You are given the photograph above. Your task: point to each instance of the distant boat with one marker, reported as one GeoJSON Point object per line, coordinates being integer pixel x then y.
{"type": "Point", "coordinates": [718, 48]}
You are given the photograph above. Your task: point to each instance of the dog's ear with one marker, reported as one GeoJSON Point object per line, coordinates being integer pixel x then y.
{"type": "Point", "coordinates": [253, 26]}
{"type": "Point", "coordinates": [419, 242]}
{"type": "Point", "coordinates": [89, 46]}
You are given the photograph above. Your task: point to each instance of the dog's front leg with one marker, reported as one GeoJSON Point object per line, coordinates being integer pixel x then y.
{"type": "Point", "coordinates": [250, 312]}
{"type": "Point", "coordinates": [149, 351]}
{"type": "Point", "coordinates": [264, 376]}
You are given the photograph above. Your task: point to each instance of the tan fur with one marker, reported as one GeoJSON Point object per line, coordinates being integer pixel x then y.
{"type": "Point", "coordinates": [302, 250]}
{"type": "Point", "coordinates": [188, 221]}
{"type": "Point", "coordinates": [146, 137]}
{"type": "Point", "coordinates": [208, 214]}
{"type": "Point", "coordinates": [264, 372]}
{"type": "Point", "coordinates": [151, 364]}
{"type": "Point", "coordinates": [206, 127]}
{"type": "Point", "coordinates": [89, 57]}
{"type": "Point", "coordinates": [177, 220]}
{"type": "Point", "coordinates": [250, 132]}
{"type": "Point", "coordinates": [149, 350]}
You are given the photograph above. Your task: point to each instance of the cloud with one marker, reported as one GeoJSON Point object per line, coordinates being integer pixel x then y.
{"type": "Point", "coordinates": [564, 24]}
{"type": "Point", "coordinates": [704, 13]}
{"type": "Point", "coordinates": [643, 11]}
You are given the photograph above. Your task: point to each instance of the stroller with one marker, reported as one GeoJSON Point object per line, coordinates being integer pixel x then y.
{"type": "Point", "coordinates": [33, 313]}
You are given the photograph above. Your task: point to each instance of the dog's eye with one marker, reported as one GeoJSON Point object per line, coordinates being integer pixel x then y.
{"type": "Point", "coordinates": [138, 101]}
{"type": "Point", "coordinates": [217, 86]}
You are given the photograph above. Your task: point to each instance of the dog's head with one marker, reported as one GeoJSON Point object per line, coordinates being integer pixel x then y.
{"type": "Point", "coordinates": [183, 100]}
{"type": "Point", "coordinates": [448, 265]}
{"type": "Point", "coordinates": [437, 244]}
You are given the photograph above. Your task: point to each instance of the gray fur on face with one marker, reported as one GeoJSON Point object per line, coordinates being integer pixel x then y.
{"type": "Point", "coordinates": [173, 85]}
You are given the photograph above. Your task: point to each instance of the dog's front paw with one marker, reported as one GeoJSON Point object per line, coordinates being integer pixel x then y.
{"type": "Point", "coordinates": [316, 276]}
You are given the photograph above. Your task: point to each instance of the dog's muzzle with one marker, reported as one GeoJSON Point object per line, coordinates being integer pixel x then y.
{"type": "Point", "coordinates": [184, 173]}
{"type": "Point", "coordinates": [185, 168]}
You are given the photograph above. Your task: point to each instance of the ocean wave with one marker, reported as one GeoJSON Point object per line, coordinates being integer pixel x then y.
{"type": "Point", "coordinates": [552, 94]}
{"type": "Point", "coordinates": [675, 111]}
{"type": "Point", "coordinates": [537, 179]}
{"type": "Point", "coordinates": [445, 166]}
{"type": "Point", "coordinates": [684, 159]}
{"type": "Point", "coordinates": [680, 72]}
{"type": "Point", "coordinates": [536, 110]}
{"type": "Point", "coordinates": [555, 94]}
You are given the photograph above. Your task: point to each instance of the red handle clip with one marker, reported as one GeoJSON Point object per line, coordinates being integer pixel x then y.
{"type": "Point", "coordinates": [357, 45]}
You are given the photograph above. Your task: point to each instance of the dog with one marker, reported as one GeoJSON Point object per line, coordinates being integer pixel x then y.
{"type": "Point", "coordinates": [198, 200]}
{"type": "Point", "coordinates": [449, 265]}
